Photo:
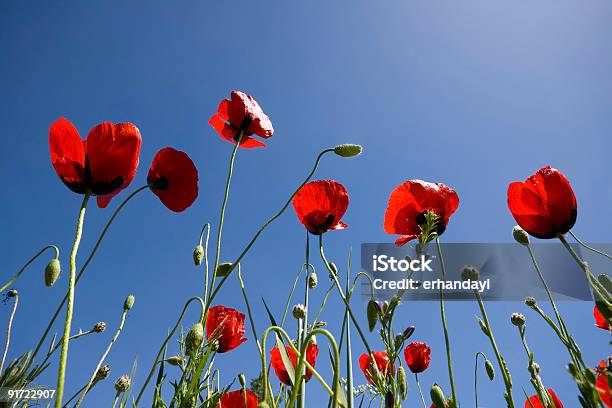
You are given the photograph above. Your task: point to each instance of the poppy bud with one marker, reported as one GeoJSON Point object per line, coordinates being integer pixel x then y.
{"type": "Point", "coordinates": [530, 301]}
{"type": "Point", "coordinates": [402, 384]}
{"type": "Point", "coordinates": [262, 404]}
{"type": "Point", "coordinates": [224, 269]}
{"type": "Point", "coordinates": [175, 360]}
{"type": "Point", "coordinates": [129, 302]}
{"type": "Point", "coordinates": [102, 372]}
{"type": "Point", "coordinates": [389, 400]}
{"type": "Point", "coordinates": [517, 319]}
{"type": "Point", "coordinates": [198, 255]}
{"type": "Point", "coordinates": [214, 345]}
{"type": "Point", "coordinates": [483, 327]}
{"type": "Point", "coordinates": [372, 313]}
{"type": "Point", "coordinates": [534, 368]}
{"type": "Point", "coordinates": [408, 332]}
{"type": "Point", "coordinates": [334, 269]}
{"type": "Point", "coordinates": [299, 311]}
{"type": "Point", "coordinates": [122, 384]}
{"type": "Point", "coordinates": [348, 150]}
{"type": "Point", "coordinates": [469, 273]}
{"type": "Point", "coordinates": [52, 272]}
{"type": "Point", "coordinates": [194, 339]}
{"type": "Point", "coordinates": [395, 301]}
{"type": "Point", "coordinates": [242, 380]}
{"type": "Point", "coordinates": [437, 396]}
{"type": "Point", "coordinates": [312, 280]}
{"type": "Point", "coordinates": [99, 327]}
{"type": "Point", "coordinates": [490, 370]}
{"type": "Point", "coordinates": [520, 235]}
{"type": "Point", "coordinates": [12, 293]}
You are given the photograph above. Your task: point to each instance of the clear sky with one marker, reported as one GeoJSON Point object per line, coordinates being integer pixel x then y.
{"type": "Point", "coordinates": [474, 94]}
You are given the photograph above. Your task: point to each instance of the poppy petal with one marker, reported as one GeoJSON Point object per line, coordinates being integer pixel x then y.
{"type": "Point", "coordinates": [68, 155]}
{"type": "Point", "coordinates": [320, 205]}
{"type": "Point", "coordinates": [236, 399]}
{"type": "Point", "coordinates": [174, 179]}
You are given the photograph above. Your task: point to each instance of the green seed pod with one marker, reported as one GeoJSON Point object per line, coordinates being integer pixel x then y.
{"type": "Point", "coordinates": [198, 255]}
{"type": "Point", "coordinates": [372, 313]}
{"type": "Point", "coordinates": [122, 384]}
{"type": "Point", "coordinates": [517, 319]}
{"type": "Point", "coordinates": [469, 273]}
{"type": "Point", "coordinates": [175, 361]}
{"type": "Point", "coordinates": [129, 302]}
{"type": "Point", "coordinates": [530, 301]}
{"type": "Point", "coordinates": [402, 383]}
{"type": "Point", "coordinates": [348, 150]}
{"type": "Point", "coordinates": [12, 293]}
{"type": "Point", "coordinates": [224, 269]}
{"type": "Point", "coordinates": [520, 235]}
{"type": "Point", "coordinates": [242, 380]}
{"type": "Point", "coordinates": [334, 269]}
{"type": "Point", "coordinates": [103, 372]}
{"type": "Point", "coordinates": [99, 327]}
{"type": "Point", "coordinates": [299, 311]}
{"type": "Point", "coordinates": [313, 280]}
{"type": "Point", "coordinates": [52, 272]}
{"type": "Point", "coordinates": [490, 370]}
{"type": "Point", "coordinates": [194, 339]}
{"type": "Point", "coordinates": [437, 396]}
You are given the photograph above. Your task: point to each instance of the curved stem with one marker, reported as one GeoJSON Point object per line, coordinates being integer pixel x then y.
{"type": "Point", "coordinates": [24, 267]}
{"type": "Point", "coordinates": [443, 314]}
{"type": "Point", "coordinates": [70, 304]}
{"type": "Point", "coordinates": [163, 346]}
{"type": "Point", "coordinates": [206, 228]}
{"type": "Point", "coordinates": [480, 353]}
{"type": "Point", "coordinates": [416, 376]}
{"type": "Point", "coordinates": [8, 331]}
{"type": "Point", "coordinates": [84, 267]}
{"type": "Point", "coordinates": [590, 248]}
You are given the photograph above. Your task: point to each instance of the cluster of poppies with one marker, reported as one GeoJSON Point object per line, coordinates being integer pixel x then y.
{"type": "Point", "coordinates": [417, 356]}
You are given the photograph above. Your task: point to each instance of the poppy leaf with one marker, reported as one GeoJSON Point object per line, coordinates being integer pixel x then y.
{"type": "Point", "coordinates": [281, 347]}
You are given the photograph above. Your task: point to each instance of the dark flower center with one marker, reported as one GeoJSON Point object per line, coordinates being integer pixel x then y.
{"type": "Point", "coordinates": [421, 221]}
{"type": "Point", "coordinates": [160, 183]}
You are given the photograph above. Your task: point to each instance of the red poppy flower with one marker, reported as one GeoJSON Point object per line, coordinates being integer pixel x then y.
{"type": "Point", "coordinates": [279, 367]}
{"type": "Point", "coordinates": [600, 320]}
{"type": "Point", "coordinates": [417, 356]}
{"type": "Point", "coordinates": [544, 205]}
{"type": "Point", "coordinates": [103, 164]}
{"type": "Point", "coordinates": [382, 362]}
{"type": "Point", "coordinates": [236, 399]}
{"type": "Point", "coordinates": [603, 389]}
{"type": "Point", "coordinates": [174, 179]}
{"type": "Point", "coordinates": [410, 201]}
{"type": "Point", "coordinates": [320, 204]}
{"type": "Point", "coordinates": [228, 324]}
{"type": "Point", "coordinates": [535, 401]}
{"type": "Point", "coordinates": [241, 113]}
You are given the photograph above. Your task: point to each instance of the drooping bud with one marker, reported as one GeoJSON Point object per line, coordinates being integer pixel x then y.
{"type": "Point", "coordinates": [437, 396]}
{"type": "Point", "coordinates": [224, 269]}
{"type": "Point", "coordinates": [469, 273]}
{"type": "Point", "coordinates": [534, 368]}
{"type": "Point", "coordinates": [530, 301]}
{"type": "Point", "coordinates": [372, 313]}
{"type": "Point", "coordinates": [517, 319]}
{"type": "Point", "coordinates": [129, 302]}
{"type": "Point", "coordinates": [52, 272]}
{"type": "Point", "coordinates": [520, 235]}
{"type": "Point", "coordinates": [389, 399]}
{"type": "Point", "coordinates": [348, 150]}
{"type": "Point", "coordinates": [175, 361]}
{"type": "Point", "coordinates": [12, 293]}
{"type": "Point", "coordinates": [242, 380]}
{"type": "Point", "coordinates": [408, 332]}
{"type": "Point", "coordinates": [312, 280]}
{"type": "Point", "coordinates": [198, 255]}
{"type": "Point", "coordinates": [102, 372]}
{"type": "Point", "coordinates": [402, 383]}
{"type": "Point", "coordinates": [483, 327]}
{"type": "Point", "coordinates": [99, 327]}
{"type": "Point", "coordinates": [490, 370]}
{"type": "Point", "coordinates": [194, 339]}
{"type": "Point", "coordinates": [123, 384]}
{"type": "Point", "coordinates": [334, 269]}
{"type": "Point", "coordinates": [299, 311]}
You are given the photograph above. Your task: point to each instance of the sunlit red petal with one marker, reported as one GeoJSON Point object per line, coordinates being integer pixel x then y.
{"type": "Point", "coordinates": [236, 399]}
{"type": "Point", "coordinates": [320, 205]}
{"type": "Point", "coordinates": [68, 154]}
{"type": "Point", "coordinates": [535, 401]}
{"type": "Point", "coordinates": [231, 323]}
{"type": "Point", "coordinates": [600, 320]}
{"type": "Point", "coordinates": [174, 178]}
{"type": "Point", "coordinates": [417, 356]}
{"type": "Point", "coordinates": [276, 362]}
{"type": "Point", "coordinates": [603, 389]}
{"type": "Point", "coordinates": [382, 363]}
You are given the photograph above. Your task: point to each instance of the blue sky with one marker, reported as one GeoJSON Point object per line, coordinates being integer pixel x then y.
{"type": "Point", "coordinates": [473, 94]}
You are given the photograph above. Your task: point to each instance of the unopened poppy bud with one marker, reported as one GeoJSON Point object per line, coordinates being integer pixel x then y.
{"type": "Point", "coordinates": [517, 319]}
{"type": "Point", "coordinates": [389, 399]}
{"type": "Point", "coordinates": [469, 273]}
{"type": "Point", "coordinates": [52, 272]}
{"type": "Point", "coordinates": [490, 370]}
{"type": "Point", "coordinates": [402, 384]}
{"type": "Point", "coordinates": [530, 301]}
{"type": "Point", "coordinates": [520, 235]}
{"type": "Point", "coordinates": [103, 372]}
{"type": "Point", "coordinates": [12, 293]}
{"type": "Point", "coordinates": [224, 269]}
{"type": "Point", "coordinates": [408, 332]}
{"type": "Point", "coordinates": [348, 150]}
{"type": "Point", "coordinates": [175, 360]}
{"type": "Point", "coordinates": [122, 384]}
{"type": "Point", "coordinates": [312, 280]}
{"type": "Point", "coordinates": [242, 380]}
{"type": "Point", "coordinates": [334, 269]}
{"type": "Point", "coordinates": [99, 327]}
{"type": "Point", "coordinates": [262, 404]}
{"type": "Point", "coordinates": [395, 301]}
{"type": "Point", "coordinates": [299, 311]}
{"type": "Point", "coordinates": [372, 313]}
{"type": "Point", "coordinates": [194, 339]}
{"type": "Point", "coordinates": [437, 396]}
{"type": "Point", "coordinates": [129, 302]}
{"type": "Point", "coordinates": [483, 327]}
{"type": "Point", "coordinates": [534, 368]}
{"type": "Point", "coordinates": [198, 255]}
{"type": "Point", "coordinates": [213, 345]}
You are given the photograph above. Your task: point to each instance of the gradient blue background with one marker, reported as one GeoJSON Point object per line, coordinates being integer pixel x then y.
{"type": "Point", "coordinates": [475, 94]}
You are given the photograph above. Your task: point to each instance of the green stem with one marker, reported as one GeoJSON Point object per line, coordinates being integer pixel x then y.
{"type": "Point", "coordinates": [443, 314]}
{"type": "Point", "coordinates": [57, 346]}
{"type": "Point", "coordinates": [76, 394]}
{"type": "Point", "coordinates": [590, 248]}
{"type": "Point", "coordinates": [8, 331]}
{"type": "Point", "coordinates": [349, 357]}
{"type": "Point", "coordinates": [248, 306]}
{"type": "Point", "coordinates": [70, 304]}
{"type": "Point", "coordinates": [24, 267]}
{"type": "Point", "coordinates": [295, 282]}
{"type": "Point", "coordinates": [95, 372]}
{"type": "Point", "coordinates": [304, 327]}
{"type": "Point", "coordinates": [535, 378]}
{"type": "Point", "coordinates": [480, 353]}
{"type": "Point", "coordinates": [416, 376]}
{"type": "Point", "coordinates": [206, 228]}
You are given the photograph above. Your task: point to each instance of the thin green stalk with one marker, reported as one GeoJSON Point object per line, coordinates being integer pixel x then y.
{"type": "Point", "coordinates": [323, 302]}
{"type": "Point", "coordinates": [76, 394]}
{"type": "Point", "coordinates": [443, 314]}
{"type": "Point", "coordinates": [303, 329]}
{"type": "Point", "coordinates": [295, 282]}
{"type": "Point", "coordinates": [480, 353]}
{"type": "Point", "coordinates": [349, 357]}
{"type": "Point", "coordinates": [8, 331]}
{"type": "Point", "coordinates": [93, 375]}
{"type": "Point", "coordinates": [163, 346]}
{"type": "Point", "coordinates": [590, 248]}
{"type": "Point", "coordinates": [84, 267]}
{"type": "Point", "coordinates": [24, 267]}
{"type": "Point", "coordinates": [59, 343]}
{"type": "Point", "coordinates": [248, 306]}
{"type": "Point", "coordinates": [206, 228]}
{"type": "Point", "coordinates": [536, 381]}
{"type": "Point", "coordinates": [416, 376]}
{"type": "Point", "coordinates": [70, 305]}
